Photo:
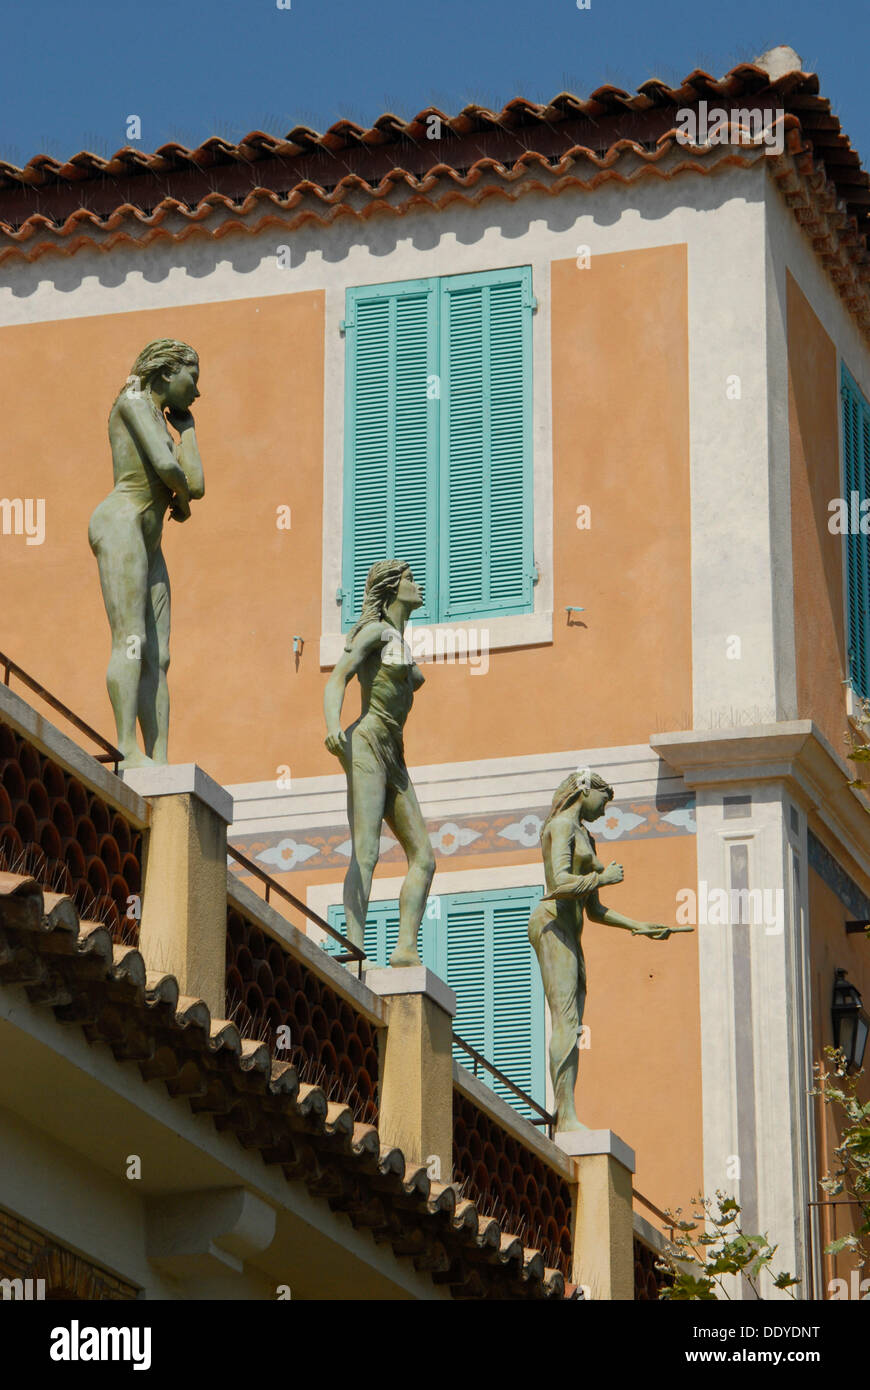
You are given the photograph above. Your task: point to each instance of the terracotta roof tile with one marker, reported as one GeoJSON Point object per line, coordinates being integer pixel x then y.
{"type": "Point", "coordinates": [49, 189]}
{"type": "Point", "coordinates": [75, 967]}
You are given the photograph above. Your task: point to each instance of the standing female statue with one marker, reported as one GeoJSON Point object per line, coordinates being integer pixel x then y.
{"type": "Point", "coordinates": [574, 873]}
{"type": "Point", "coordinates": [373, 756]}
{"type": "Point", "coordinates": [152, 473]}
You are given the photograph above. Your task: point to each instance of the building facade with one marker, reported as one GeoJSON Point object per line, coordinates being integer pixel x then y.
{"type": "Point", "coordinates": [600, 386]}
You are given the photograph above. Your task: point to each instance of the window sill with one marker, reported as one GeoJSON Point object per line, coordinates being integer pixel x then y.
{"type": "Point", "coordinates": [461, 643]}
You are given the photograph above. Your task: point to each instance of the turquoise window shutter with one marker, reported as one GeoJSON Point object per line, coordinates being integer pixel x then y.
{"type": "Point", "coordinates": [382, 932]}
{"type": "Point", "coordinates": [391, 432]}
{"type": "Point", "coordinates": [856, 478]}
{"type": "Point", "coordinates": [486, 531]}
{"type": "Point", "coordinates": [499, 994]}
{"type": "Point", "coordinates": [517, 1000]}
{"type": "Point", "coordinates": [438, 441]}
{"type": "Point", "coordinates": [479, 943]}
{"type": "Point", "coordinates": [469, 970]}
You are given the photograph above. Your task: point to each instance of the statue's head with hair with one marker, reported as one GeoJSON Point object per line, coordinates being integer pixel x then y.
{"type": "Point", "coordinates": [382, 586]}
{"type": "Point", "coordinates": [162, 357]}
{"type": "Point", "coordinates": [575, 786]}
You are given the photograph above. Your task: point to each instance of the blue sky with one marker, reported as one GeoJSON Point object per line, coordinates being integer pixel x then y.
{"type": "Point", "coordinates": [73, 73]}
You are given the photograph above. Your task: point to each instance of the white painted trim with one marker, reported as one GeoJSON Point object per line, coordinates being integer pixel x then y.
{"type": "Point", "coordinates": [779, 447]}
{"type": "Point", "coordinates": [731, 559]}
{"type": "Point", "coordinates": [487, 785]}
{"type": "Point", "coordinates": [481, 636]}
{"type": "Point", "coordinates": [795, 752]}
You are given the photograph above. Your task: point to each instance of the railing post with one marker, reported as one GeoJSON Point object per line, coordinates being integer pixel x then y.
{"type": "Point", "coordinates": [415, 1111]}
{"type": "Point", "coordinates": [184, 889]}
{"type": "Point", "coordinates": [602, 1225]}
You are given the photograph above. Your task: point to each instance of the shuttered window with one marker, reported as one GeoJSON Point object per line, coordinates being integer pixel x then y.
{"type": "Point", "coordinates": [438, 464]}
{"type": "Point", "coordinates": [478, 943]}
{"type": "Point", "coordinates": [856, 479]}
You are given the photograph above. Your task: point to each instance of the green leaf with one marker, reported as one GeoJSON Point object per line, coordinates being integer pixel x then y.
{"type": "Point", "coordinates": [686, 1287]}
{"type": "Point", "coordinates": [844, 1242]}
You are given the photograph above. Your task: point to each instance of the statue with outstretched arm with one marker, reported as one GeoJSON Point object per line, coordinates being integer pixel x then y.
{"type": "Point", "coordinates": [372, 752]}
{"type": "Point", "coordinates": [153, 474]}
{"type": "Point", "coordinates": [574, 874]}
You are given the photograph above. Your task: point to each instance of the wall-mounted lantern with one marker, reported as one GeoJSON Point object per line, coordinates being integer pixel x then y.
{"type": "Point", "coordinates": [850, 1020]}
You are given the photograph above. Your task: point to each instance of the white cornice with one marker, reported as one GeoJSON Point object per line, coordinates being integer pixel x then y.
{"type": "Point", "coordinates": [487, 786]}
{"type": "Point", "coordinates": [794, 752]}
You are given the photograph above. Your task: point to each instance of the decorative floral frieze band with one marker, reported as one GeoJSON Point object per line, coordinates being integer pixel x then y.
{"type": "Point", "coordinates": [494, 833]}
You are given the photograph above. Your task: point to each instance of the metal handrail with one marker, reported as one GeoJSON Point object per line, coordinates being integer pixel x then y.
{"type": "Point", "coordinates": [352, 952]}
{"type": "Point", "coordinates": [479, 1059]}
{"type": "Point", "coordinates": [650, 1206]}
{"type": "Point", "coordinates": [111, 753]}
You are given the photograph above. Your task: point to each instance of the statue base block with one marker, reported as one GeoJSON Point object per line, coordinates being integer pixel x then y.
{"type": "Point", "coordinates": [584, 1143]}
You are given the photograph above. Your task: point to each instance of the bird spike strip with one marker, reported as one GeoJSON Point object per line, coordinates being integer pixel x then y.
{"type": "Point", "coordinates": [330, 1043]}
{"type": "Point", "coordinates": [56, 831]}
{"type": "Point", "coordinates": [506, 1180]}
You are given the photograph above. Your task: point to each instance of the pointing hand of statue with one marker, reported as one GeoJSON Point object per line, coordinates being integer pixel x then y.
{"type": "Point", "coordinates": [657, 931]}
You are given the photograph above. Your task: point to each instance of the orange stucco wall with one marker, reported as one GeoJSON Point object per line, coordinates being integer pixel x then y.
{"type": "Point", "coordinates": [814, 402]}
{"type": "Point", "coordinates": [621, 447]}
{"type": "Point", "coordinates": [242, 589]}
{"type": "Point", "coordinates": [831, 947]}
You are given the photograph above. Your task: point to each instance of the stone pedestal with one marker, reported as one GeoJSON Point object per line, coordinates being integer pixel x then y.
{"type": "Point", "coordinates": [602, 1221]}
{"type": "Point", "coordinates": [184, 889]}
{"type": "Point", "coordinates": [416, 1073]}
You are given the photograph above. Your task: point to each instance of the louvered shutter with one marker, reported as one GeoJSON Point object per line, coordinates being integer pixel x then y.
{"type": "Point", "coordinates": [381, 930]}
{"type": "Point", "coordinates": [479, 943]}
{"type": "Point", "coordinates": [517, 1001]}
{"type": "Point", "coordinates": [391, 434]}
{"type": "Point", "coordinates": [499, 994]}
{"type": "Point", "coordinates": [856, 478]}
{"type": "Point", "coordinates": [486, 541]}
{"type": "Point", "coordinates": [469, 966]}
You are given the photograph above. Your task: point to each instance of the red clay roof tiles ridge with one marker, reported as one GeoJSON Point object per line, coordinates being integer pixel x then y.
{"type": "Point", "coordinates": [775, 77]}
{"type": "Point", "coordinates": [337, 202]}
{"type": "Point", "coordinates": [75, 967]}
{"type": "Point", "coordinates": [744, 78]}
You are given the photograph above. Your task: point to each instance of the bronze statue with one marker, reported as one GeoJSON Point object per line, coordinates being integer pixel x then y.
{"type": "Point", "coordinates": [373, 756]}
{"type": "Point", "coordinates": [152, 473]}
{"type": "Point", "coordinates": [574, 874]}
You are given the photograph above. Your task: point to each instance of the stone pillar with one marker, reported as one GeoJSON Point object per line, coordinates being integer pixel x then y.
{"type": "Point", "coordinates": [184, 889]}
{"type": "Point", "coordinates": [758, 791]}
{"type": "Point", "coordinates": [416, 1071]}
{"type": "Point", "coordinates": [602, 1224]}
